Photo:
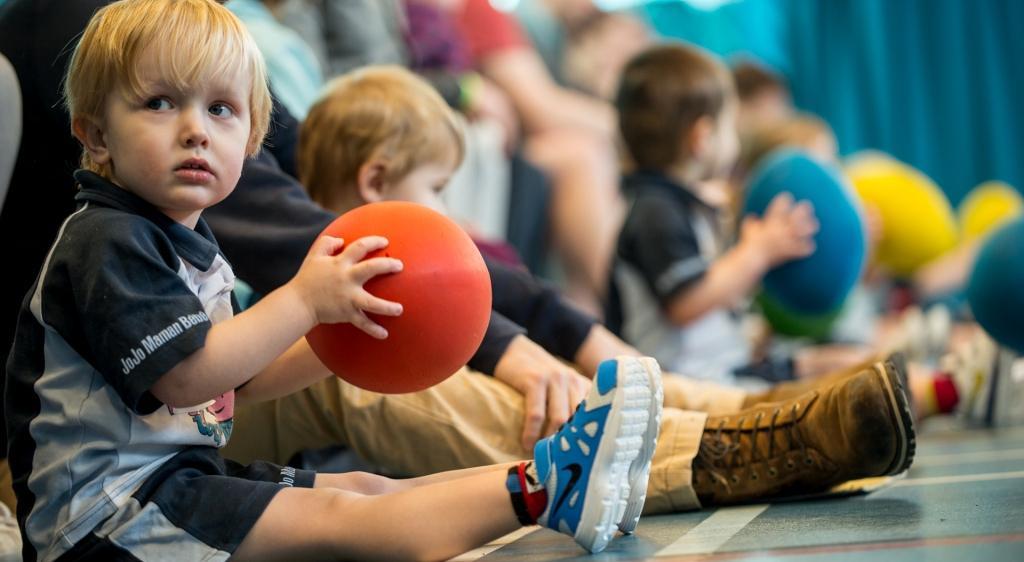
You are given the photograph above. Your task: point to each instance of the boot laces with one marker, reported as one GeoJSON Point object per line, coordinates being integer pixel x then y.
{"type": "Point", "coordinates": [721, 452]}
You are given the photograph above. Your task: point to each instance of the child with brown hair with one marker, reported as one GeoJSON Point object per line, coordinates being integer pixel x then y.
{"type": "Point", "coordinates": [675, 285]}
{"type": "Point", "coordinates": [128, 360]}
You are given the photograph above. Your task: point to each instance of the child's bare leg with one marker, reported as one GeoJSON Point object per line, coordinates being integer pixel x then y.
{"type": "Point", "coordinates": [430, 522]}
{"type": "Point", "coordinates": [604, 448]}
{"type": "Point", "coordinates": [373, 484]}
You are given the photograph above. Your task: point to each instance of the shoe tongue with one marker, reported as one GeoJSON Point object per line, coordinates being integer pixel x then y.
{"type": "Point", "coordinates": [542, 458]}
{"type": "Point", "coordinates": [606, 378]}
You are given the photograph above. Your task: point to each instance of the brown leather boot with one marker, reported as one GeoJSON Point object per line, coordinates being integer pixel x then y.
{"type": "Point", "coordinates": [858, 427]}
{"type": "Point", "coordinates": [792, 389]}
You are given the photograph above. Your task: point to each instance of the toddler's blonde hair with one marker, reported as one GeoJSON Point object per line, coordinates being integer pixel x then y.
{"type": "Point", "coordinates": [195, 41]}
{"type": "Point", "coordinates": [384, 112]}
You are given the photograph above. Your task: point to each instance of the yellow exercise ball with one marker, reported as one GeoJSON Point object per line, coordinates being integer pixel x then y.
{"type": "Point", "coordinates": [918, 223]}
{"type": "Point", "coordinates": [987, 207]}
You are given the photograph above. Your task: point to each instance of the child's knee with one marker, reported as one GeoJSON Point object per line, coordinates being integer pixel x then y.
{"type": "Point", "coordinates": [364, 483]}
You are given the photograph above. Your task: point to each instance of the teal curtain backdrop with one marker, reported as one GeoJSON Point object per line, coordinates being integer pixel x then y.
{"type": "Point", "coordinates": [936, 83]}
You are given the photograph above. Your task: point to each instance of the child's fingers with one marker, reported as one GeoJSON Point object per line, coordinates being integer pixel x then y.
{"type": "Point", "coordinates": [803, 211]}
{"type": "Point", "coordinates": [779, 205]}
{"type": "Point", "coordinates": [357, 250]}
{"type": "Point", "coordinates": [367, 269]}
{"type": "Point", "coordinates": [534, 402]}
{"type": "Point", "coordinates": [559, 409]}
{"type": "Point", "coordinates": [802, 219]}
{"type": "Point", "coordinates": [808, 226]}
{"type": "Point", "coordinates": [578, 389]}
{"type": "Point", "coordinates": [373, 329]}
{"type": "Point", "coordinates": [809, 229]}
{"type": "Point", "coordinates": [376, 305]}
{"type": "Point", "coordinates": [326, 246]}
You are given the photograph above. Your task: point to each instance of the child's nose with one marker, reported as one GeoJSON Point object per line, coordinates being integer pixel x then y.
{"type": "Point", "coordinates": [193, 130]}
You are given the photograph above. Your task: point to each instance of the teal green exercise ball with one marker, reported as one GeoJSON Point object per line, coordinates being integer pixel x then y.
{"type": "Point", "coordinates": [996, 287]}
{"type": "Point", "coordinates": [819, 283]}
{"type": "Point", "coordinates": [783, 321]}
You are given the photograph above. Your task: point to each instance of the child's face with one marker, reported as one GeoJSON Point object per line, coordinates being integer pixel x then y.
{"type": "Point", "coordinates": [422, 185]}
{"type": "Point", "coordinates": [725, 141]}
{"type": "Point", "coordinates": [180, 150]}
{"type": "Point", "coordinates": [769, 107]}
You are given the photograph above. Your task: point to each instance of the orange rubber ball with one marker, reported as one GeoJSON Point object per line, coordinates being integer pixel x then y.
{"type": "Point", "coordinates": [444, 289]}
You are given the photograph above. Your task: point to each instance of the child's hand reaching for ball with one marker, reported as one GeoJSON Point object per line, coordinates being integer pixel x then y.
{"type": "Point", "coordinates": [785, 232]}
{"type": "Point", "coordinates": [331, 281]}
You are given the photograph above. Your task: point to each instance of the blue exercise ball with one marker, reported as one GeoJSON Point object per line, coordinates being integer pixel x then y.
{"type": "Point", "coordinates": [996, 287]}
{"type": "Point", "coordinates": [817, 284]}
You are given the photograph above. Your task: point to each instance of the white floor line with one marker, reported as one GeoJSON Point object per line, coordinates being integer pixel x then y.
{"type": "Point", "coordinates": [478, 553]}
{"type": "Point", "coordinates": [725, 523]}
{"type": "Point", "coordinates": [713, 532]}
{"type": "Point", "coordinates": [933, 480]}
{"type": "Point", "coordinates": [964, 458]}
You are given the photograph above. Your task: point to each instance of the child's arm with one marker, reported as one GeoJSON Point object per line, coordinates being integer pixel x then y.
{"type": "Point", "coordinates": [252, 346]}
{"type": "Point", "coordinates": [785, 232]}
{"type": "Point", "coordinates": [292, 371]}
{"type": "Point", "coordinates": [600, 345]}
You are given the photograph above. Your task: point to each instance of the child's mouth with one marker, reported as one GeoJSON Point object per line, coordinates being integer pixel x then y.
{"type": "Point", "coordinates": [193, 175]}
{"type": "Point", "coordinates": [194, 170]}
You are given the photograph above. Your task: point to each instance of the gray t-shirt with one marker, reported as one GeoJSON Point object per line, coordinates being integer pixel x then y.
{"type": "Point", "coordinates": [668, 241]}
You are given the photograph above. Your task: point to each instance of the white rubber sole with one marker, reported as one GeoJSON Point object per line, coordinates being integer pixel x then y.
{"type": "Point", "coordinates": [640, 470]}
{"type": "Point", "coordinates": [624, 429]}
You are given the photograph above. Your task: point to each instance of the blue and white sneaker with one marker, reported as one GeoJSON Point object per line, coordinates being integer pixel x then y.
{"type": "Point", "coordinates": [585, 465]}
{"type": "Point", "coordinates": [640, 470]}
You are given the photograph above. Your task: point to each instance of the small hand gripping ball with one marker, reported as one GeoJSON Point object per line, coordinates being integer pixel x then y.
{"type": "Point", "coordinates": [815, 286]}
{"type": "Point", "coordinates": [444, 289]}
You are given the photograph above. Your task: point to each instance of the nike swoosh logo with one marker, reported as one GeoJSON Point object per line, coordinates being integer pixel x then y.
{"type": "Point", "coordinates": [575, 472]}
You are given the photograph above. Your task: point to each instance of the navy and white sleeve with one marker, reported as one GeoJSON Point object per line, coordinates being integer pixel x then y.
{"type": "Point", "coordinates": [136, 317]}
{"type": "Point", "coordinates": [663, 246]}
{"type": "Point", "coordinates": [500, 333]}
{"type": "Point", "coordinates": [537, 306]}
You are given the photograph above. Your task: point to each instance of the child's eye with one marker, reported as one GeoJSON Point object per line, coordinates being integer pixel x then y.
{"type": "Point", "coordinates": [158, 104]}
{"type": "Point", "coordinates": [220, 110]}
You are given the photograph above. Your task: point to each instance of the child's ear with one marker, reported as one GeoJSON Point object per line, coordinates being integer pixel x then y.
{"type": "Point", "coordinates": [371, 180]}
{"type": "Point", "coordinates": [90, 134]}
{"type": "Point", "coordinates": [699, 138]}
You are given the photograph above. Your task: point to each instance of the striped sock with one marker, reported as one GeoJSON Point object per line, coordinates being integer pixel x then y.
{"type": "Point", "coordinates": [529, 498]}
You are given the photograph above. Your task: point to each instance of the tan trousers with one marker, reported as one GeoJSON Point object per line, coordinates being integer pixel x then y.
{"type": "Point", "coordinates": [468, 420]}
{"type": "Point", "coordinates": [6, 489]}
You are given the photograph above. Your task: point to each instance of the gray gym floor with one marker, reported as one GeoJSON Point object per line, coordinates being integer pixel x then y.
{"type": "Point", "coordinates": [962, 500]}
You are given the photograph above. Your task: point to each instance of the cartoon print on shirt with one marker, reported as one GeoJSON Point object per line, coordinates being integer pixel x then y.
{"type": "Point", "coordinates": [214, 418]}
{"type": "Point", "coordinates": [217, 419]}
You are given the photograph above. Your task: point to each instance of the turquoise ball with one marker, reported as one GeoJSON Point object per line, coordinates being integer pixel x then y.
{"type": "Point", "coordinates": [820, 283]}
{"type": "Point", "coordinates": [995, 290]}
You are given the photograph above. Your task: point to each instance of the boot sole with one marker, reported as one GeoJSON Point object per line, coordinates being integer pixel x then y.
{"type": "Point", "coordinates": [895, 385]}
{"type": "Point", "coordinates": [899, 361]}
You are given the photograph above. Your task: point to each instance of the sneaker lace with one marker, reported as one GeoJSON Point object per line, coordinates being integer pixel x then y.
{"type": "Point", "coordinates": [721, 451]}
